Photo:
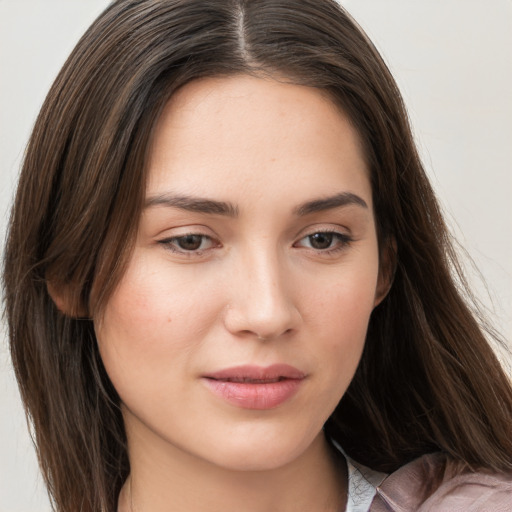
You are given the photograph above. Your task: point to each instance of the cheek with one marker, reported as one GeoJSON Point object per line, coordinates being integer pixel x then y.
{"type": "Point", "coordinates": [151, 325]}
{"type": "Point", "coordinates": [339, 313]}
{"type": "Point", "coordinates": [350, 309]}
{"type": "Point", "coordinates": [342, 303]}
{"type": "Point", "coordinates": [345, 322]}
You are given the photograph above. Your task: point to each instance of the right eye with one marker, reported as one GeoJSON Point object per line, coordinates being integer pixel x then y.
{"type": "Point", "coordinates": [188, 244]}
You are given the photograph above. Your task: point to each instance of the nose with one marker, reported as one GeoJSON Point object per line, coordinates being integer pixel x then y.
{"type": "Point", "coordinates": [261, 299]}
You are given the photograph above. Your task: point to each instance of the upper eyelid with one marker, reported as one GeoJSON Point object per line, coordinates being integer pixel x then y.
{"type": "Point", "coordinates": [187, 233]}
{"type": "Point", "coordinates": [326, 228]}
{"type": "Point", "coordinates": [179, 231]}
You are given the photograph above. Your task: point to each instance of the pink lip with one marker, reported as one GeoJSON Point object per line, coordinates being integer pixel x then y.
{"type": "Point", "coordinates": [255, 387]}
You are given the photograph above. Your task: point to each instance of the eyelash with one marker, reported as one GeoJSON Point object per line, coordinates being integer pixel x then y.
{"type": "Point", "coordinates": [171, 244]}
{"type": "Point", "coordinates": [343, 241]}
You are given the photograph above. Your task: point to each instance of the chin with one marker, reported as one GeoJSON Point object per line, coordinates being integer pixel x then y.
{"type": "Point", "coordinates": [259, 454]}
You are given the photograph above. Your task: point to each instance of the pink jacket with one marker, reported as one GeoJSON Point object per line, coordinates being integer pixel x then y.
{"type": "Point", "coordinates": [404, 490]}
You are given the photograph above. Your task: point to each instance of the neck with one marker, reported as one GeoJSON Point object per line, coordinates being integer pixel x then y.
{"type": "Point", "coordinates": [173, 481]}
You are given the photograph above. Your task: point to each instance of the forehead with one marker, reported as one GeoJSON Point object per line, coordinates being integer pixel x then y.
{"type": "Point", "coordinates": [244, 134]}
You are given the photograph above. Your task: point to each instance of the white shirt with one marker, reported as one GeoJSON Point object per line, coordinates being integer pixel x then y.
{"type": "Point", "coordinates": [362, 484]}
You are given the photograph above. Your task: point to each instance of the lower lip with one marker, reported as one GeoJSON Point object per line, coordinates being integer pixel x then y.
{"type": "Point", "coordinates": [258, 396]}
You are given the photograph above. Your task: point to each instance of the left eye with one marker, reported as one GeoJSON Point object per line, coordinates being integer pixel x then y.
{"type": "Point", "coordinates": [188, 243]}
{"type": "Point", "coordinates": [323, 241]}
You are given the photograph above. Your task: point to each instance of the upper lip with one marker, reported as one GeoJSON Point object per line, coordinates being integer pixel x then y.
{"type": "Point", "coordinates": [252, 373]}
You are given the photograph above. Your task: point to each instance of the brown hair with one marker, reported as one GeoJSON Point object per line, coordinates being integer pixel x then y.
{"type": "Point", "coordinates": [428, 379]}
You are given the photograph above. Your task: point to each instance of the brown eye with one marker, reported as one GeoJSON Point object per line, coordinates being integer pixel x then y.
{"type": "Point", "coordinates": [321, 240]}
{"type": "Point", "coordinates": [325, 242]}
{"type": "Point", "coordinates": [190, 242]}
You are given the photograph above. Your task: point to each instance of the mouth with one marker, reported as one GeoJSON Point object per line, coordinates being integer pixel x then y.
{"type": "Point", "coordinates": [257, 374]}
{"type": "Point", "coordinates": [251, 381]}
{"type": "Point", "coordinates": [254, 387]}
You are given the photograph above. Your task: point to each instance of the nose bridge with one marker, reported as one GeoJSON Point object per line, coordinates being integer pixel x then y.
{"type": "Point", "coordinates": [262, 303]}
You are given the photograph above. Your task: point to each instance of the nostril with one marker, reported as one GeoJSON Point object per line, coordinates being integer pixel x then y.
{"type": "Point", "coordinates": [269, 337]}
{"type": "Point", "coordinates": [261, 316]}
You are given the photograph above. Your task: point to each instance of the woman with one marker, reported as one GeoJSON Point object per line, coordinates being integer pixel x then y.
{"type": "Point", "coordinates": [228, 283]}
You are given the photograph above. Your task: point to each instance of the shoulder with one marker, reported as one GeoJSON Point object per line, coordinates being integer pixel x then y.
{"type": "Point", "coordinates": [432, 483]}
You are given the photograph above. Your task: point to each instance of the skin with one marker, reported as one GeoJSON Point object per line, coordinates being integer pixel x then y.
{"type": "Point", "coordinates": [256, 288]}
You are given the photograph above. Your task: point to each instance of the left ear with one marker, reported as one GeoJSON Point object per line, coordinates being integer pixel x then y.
{"type": "Point", "coordinates": [66, 298]}
{"type": "Point", "coordinates": [387, 267]}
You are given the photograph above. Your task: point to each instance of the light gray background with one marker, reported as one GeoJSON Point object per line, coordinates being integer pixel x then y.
{"type": "Point", "coordinates": [453, 62]}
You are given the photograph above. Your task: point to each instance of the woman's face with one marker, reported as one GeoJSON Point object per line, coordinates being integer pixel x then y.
{"type": "Point", "coordinates": [242, 314]}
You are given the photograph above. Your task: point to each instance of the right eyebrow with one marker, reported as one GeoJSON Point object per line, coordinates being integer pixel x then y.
{"type": "Point", "coordinates": [193, 204]}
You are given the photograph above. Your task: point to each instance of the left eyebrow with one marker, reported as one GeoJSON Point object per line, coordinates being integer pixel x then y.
{"type": "Point", "coordinates": [328, 203]}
